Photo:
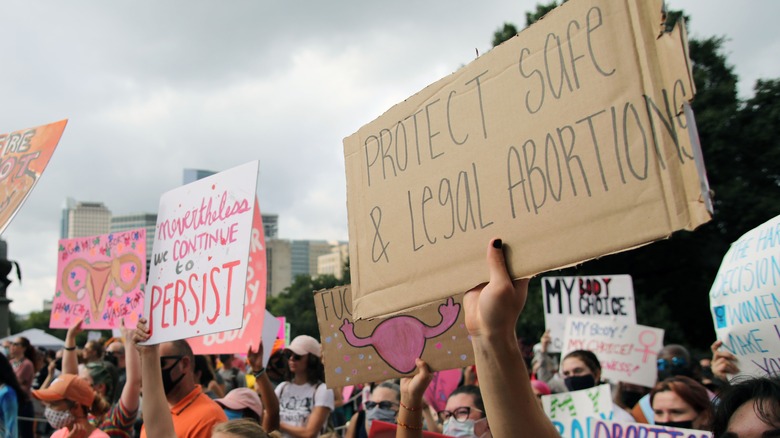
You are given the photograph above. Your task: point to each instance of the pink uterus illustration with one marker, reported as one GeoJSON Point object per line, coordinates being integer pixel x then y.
{"type": "Point", "coordinates": [399, 340]}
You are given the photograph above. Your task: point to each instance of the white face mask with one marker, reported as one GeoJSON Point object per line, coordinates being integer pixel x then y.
{"type": "Point", "coordinates": [461, 429]}
{"type": "Point", "coordinates": [59, 419]}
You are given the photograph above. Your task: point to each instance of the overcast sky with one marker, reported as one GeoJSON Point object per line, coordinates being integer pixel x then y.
{"type": "Point", "coordinates": [153, 87]}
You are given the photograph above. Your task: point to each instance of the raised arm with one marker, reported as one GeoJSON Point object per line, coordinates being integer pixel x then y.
{"type": "Point", "coordinates": [70, 358]}
{"type": "Point", "coordinates": [492, 311]}
{"type": "Point", "coordinates": [265, 389]}
{"type": "Point", "coordinates": [157, 414]}
{"type": "Point", "coordinates": [132, 389]}
{"type": "Point", "coordinates": [410, 415]}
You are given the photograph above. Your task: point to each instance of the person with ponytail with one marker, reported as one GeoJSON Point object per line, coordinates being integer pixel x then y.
{"type": "Point", "coordinates": [69, 400]}
{"type": "Point", "coordinates": [11, 396]}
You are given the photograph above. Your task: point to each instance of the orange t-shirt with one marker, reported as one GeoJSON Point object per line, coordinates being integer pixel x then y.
{"type": "Point", "coordinates": [195, 415]}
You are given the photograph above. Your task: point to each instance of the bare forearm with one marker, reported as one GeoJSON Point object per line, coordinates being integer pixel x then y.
{"type": "Point", "coordinates": [70, 359]}
{"type": "Point", "coordinates": [265, 390]}
{"type": "Point", "coordinates": [506, 389]}
{"type": "Point", "coordinates": [157, 416]}
{"type": "Point", "coordinates": [132, 389]}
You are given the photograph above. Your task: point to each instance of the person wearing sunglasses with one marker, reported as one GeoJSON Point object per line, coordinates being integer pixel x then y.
{"type": "Point", "coordinates": [383, 406]}
{"type": "Point", "coordinates": [304, 401]}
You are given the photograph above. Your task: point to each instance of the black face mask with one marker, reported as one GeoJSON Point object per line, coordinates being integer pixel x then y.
{"type": "Point", "coordinates": [168, 383]}
{"type": "Point", "coordinates": [109, 357]}
{"type": "Point", "coordinates": [630, 398]}
{"type": "Point", "coordinates": [575, 383]}
{"type": "Point", "coordinates": [678, 424]}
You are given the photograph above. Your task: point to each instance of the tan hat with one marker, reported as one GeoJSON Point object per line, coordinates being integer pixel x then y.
{"type": "Point", "coordinates": [242, 398]}
{"type": "Point", "coordinates": [304, 344]}
{"type": "Point", "coordinates": [67, 387]}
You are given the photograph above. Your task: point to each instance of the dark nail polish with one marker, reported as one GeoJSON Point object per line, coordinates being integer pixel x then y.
{"type": "Point", "coordinates": [497, 244]}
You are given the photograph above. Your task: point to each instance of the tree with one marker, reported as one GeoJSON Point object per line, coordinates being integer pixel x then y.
{"type": "Point", "coordinates": [296, 303]}
{"type": "Point", "coordinates": [741, 147]}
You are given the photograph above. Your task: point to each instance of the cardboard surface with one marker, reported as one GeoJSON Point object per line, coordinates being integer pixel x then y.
{"type": "Point", "coordinates": [568, 141]}
{"type": "Point", "coordinates": [100, 279]}
{"type": "Point", "coordinates": [745, 300]}
{"type": "Point", "coordinates": [198, 273]}
{"type": "Point", "coordinates": [385, 348]}
{"type": "Point", "coordinates": [627, 352]}
{"type": "Point", "coordinates": [239, 340]}
{"type": "Point", "coordinates": [24, 155]}
{"type": "Point", "coordinates": [613, 429]}
{"type": "Point", "coordinates": [608, 297]}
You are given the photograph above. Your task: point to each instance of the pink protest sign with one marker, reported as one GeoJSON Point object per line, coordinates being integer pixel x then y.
{"type": "Point", "coordinates": [239, 340]}
{"type": "Point", "coordinates": [282, 329]}
{"type": "Point", "coordinates": [198, 276]}
{"type": "Point", "coordinates": [440, 388]}
{"type": "Point", "coordinates": [100, 279]}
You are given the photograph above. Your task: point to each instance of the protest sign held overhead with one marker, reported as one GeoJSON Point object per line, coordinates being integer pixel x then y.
{"type": "Point", "coordinates": [598, 297]}
{"type": "Point", "coordinates": [572, 412]}
{"type": "Point", "coordinates": [628, 353]}
{"type": "Point", "coordinates": [198, 276]}
{"type": "Point", "coordinates": [239, 340]}
{"type": "Point", "coordinates": [745, 300]}
{"type": "Point", "coordinates": [24, 155]}
{"type": "Point", "coordinates": [100, 280]}
{"type": "Point", "coordinates": [385, 348]}
{"type": "Point", "coordinates": [568, 141]}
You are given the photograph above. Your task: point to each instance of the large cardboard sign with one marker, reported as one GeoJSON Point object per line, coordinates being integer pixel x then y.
{"type": "Point", "coordinates": [198, 275]}
{"type": "Point", "coordinates": [24, 155]}
{"type": "Point", "coordinates": [613, 429]}
{"type": "Point", "coordinates": [239, 340]}
{"type": "Point", "coordinates": [572, 412]}
{"type": "Point", "coordinates": [599, 297]}
{"type": "Point", "coordinates": [385, 348]}
{"type": "Point", "coordinates": [568, 141]}
{"type": "Point", "coordinates": [100, 280]}
{"type": "Point", "coordinates": [628, 353]}
{"type": "Point", "coordinates": [745, 300]}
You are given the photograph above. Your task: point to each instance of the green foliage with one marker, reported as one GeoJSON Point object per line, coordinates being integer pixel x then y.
{"type": "Point", "coordinates": [296, 303]}
{"type": "Point", "coordinates": [741, 146]}
{"type": "Point", "coordinates": [504, 33]}
{"type": "Point", "coordinates": [541, 11]}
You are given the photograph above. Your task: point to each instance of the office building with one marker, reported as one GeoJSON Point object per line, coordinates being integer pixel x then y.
{"type": "Point", "coordinates": [82, 219]}
{"type": "Point", "coordinates": [279, 270]}
{"type": "Point", "coordinates": [334, 263]}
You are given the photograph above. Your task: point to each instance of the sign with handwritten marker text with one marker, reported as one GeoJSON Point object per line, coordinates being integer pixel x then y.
{"type": "Point", "coordinates": [549, 141]}
{"type": "Point", "coordinates": [609, 297]}
{"type": "Point", "coordinates": [612, 429]}
{"type": "Point", "coordinates": [23, 157]}
{"type": "Point", "coordinates": [628, 353]}
{"type": "Point", "coordinates": [745, 300]}
{"type": "Point", "coordinates": [572, 412]}
{"type": "Point", "coordinates": [197, 281]}
{"type": "Point", "coordinates": [440, 388]}
{"type": "Point", "coordinates": [385, 348]}
{"type": "Point", "coordinates": [239, 340]}
{"type": "Point", "coordinates": [100, 280]}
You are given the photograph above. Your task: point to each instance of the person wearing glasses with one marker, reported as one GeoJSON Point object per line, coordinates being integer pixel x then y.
{"type": "Point", "coordinates": [304, 401]}
{"type": "Point", "coordinates": [383, 406]}
{"type": "Point", "coordinates": [169, 385]}
{"type": "Point", "coordinates": [464, 414]}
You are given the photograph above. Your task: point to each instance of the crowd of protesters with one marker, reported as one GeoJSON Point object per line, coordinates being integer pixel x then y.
{"type": "Point", "coordinates": [123, 389]}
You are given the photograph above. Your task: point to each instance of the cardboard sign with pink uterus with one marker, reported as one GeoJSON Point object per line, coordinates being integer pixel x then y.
{"type": "Point", "coordinates": [100, 280]}
{"type": "Point", "coordinates": [361, 351]}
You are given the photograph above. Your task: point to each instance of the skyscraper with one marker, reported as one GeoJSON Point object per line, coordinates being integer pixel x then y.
{"type": "Point", "coordinates": [81, 219]}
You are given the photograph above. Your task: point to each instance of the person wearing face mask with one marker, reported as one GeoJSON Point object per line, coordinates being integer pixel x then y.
{"type": "Point", "coordinates": [681, 402]}
{"type": "Point", "coordinates": [167, 369]}
{"type": "Point", "coordinates": [68, 401]}
{"type": "Point", "coordinates": [383, 406]}
{"type": "Point", "coordinates": [581, 369]}
{"type": "Point", "coordinates": [673, 360]}
{"type": "Point", "coordinates": [464, 414]}
{"type": "Point", "coordinates": [101, 376]}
